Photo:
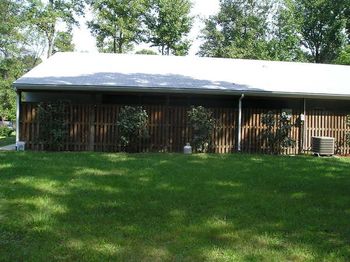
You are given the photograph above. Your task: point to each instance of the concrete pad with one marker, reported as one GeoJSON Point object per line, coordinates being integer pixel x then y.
{"type": "Point", "coordinates": [8, 148]}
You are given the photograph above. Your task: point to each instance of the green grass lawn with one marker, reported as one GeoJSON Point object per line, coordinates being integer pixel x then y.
{"type": "Point", "coordinates": [4, 141]}
{"type": "Point", "coordinates": [171, 207]}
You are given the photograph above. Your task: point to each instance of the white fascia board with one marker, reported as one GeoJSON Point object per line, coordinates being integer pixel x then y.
{"type": "Point", "coordinates": [177, 90]}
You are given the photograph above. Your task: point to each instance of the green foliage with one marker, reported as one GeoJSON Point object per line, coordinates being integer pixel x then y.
{"type": "Point", "coordinates": [117, 24]}
{"type": "Point", "coordinates": [10, 25]}
{"type": "Point", "coordinates": [7, 100]}
{"type": "Point", "coordinates": [10, 69]}
{"type": "Point", "coordinates": [287, 30]}
{"type": "Point", "coordinates": [133, 126]}
{"type": "Point", "coordinates": [18, 37]}
{"type": "Point", "coordinates": [347, 135]}
{"type": "Point", "coordinates": [15, 58]}
{"type": "Point", "coordinates": [46, 15]}
{"type": "Point", "coordinates": [239, 30]}
{"type": "Point", "coordinates": [277, 133]}
{"type": "Point", "coordinates": [344, 56]}
{"type": "Point", "coordinates": [285, 42]}
{"type": "Point", "coordinates": [322, 26]}
{"type": "Point", "coordinates": [52, 124]}
{"type": "Point", "coordinates": [146, 52]}
{"type": "Point", "coordinates": [5, 131]}
{"type": "Point", "coordinates": [63, 42]}
{"type": "Point", "coordinates": [202, 123]}
{"type": "Point", "coordinates": [168, 23]}
{"type": "Point", "coordinates": [10, 140]}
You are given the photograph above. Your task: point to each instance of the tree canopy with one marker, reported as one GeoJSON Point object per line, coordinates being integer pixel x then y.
{"type": "Point", "coordinates": [46, 15]}
{"type": "Point", "coordinates": [117, 24]}
{"type": "Point", "coordinates": [322, 25]}
{"type": "Point", "coordinates": [239, 30]}
{"type": "Point", "coordinates": [63, 42]}
{"type": "Point", "coordinates": [168, 23]}
{"type": "Point", "coordinates": [287, 30]}
{"type": "Point", "coordinates": [344, 56]}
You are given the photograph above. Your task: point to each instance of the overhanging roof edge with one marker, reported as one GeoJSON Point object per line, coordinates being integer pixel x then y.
{"type": "Point", "coordinates": [41, 87]}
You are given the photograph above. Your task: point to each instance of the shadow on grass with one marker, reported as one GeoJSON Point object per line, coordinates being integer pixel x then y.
{"type": "Point", "coordinates": [91, 206]}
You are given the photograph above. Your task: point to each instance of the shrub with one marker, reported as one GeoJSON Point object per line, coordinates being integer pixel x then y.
{"type": "Point", "coordinates": [347, 135]}
{"type": "Point", "coordinates": [133, 126]}
{"type": "Point", "coordinates": [5, 131]}
{"type": "Point", "coordinates": [277, 134]}
{"type": "Point", "coordinates": [52, 124]}
{"type": "Point", "coordinates": [203, 124]}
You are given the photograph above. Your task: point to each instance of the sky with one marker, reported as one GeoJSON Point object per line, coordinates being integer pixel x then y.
{"type": "Point", "coordinates": [84, 42]}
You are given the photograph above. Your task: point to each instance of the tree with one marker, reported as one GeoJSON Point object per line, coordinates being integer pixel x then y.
{"type": "Point", "coordinates": [214, 40]}
{"type": "Point", "coordinates": [63, 42]}
{"type": "Point", "coordinates": [239, 30]}
{"type": "Point", "coordinates": [347, 16]}
{"type": "Point", "coordinates": [10, 24]}
{"type": "Point", "coordinates": [117, 25]}
{"type": "Point", "coordinates": [322, 25]}
{"type": "Point", "coordinates": [12, 68]}
{"type": "Point", "coordinates": [168, 23]}
{"type": "Point", "coordinates": [33, 45]}
{"type": "Point", "coordinates": [46, 15]}
{"type": "Point", "coordinates": [285, 42]}
{"type": "Point", "coordinates": [146, 52]}
{"type": "Point", "coordinates": [344, 56]}
{"type": "Point", "coordinates": [15, 58]}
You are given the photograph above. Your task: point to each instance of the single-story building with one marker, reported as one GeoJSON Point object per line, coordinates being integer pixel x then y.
{"type": "Point", "coordinates": [238, 91]}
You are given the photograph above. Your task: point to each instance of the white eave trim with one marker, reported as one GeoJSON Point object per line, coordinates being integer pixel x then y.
{"type": "Point", "coordinates": [176, 90]}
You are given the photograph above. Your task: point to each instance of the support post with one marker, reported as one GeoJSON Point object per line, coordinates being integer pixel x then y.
{"type": "Point", "coordinates": [304, 127]}
{"type": "Point", "coordinates": [18, 112]}
{"type": "Point", "coordinates": [239, 136]}
{"type": "Point", "coordinates": [91, 145]}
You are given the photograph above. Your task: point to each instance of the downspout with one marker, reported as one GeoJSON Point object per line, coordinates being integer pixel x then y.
{"type": "Point", "coordinates": [304, 127]}
{"type": "Point", "coordinates": [239, 137]}
{"type": "Point", "coordinates": [18, 110]}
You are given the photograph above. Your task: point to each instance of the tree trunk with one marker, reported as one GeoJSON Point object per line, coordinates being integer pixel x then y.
{"type": "Point", "coordinates": [50, 34]}
{"type": "Point", "coordinates": [317, 54]}
{"type": "Point", "coordinates": [168, 50]}
{"type": "Point", "coordinates": [114, 45]}
{"type": "Point", "coordinates": [120, 43]}
{"type": "Point", "coordinates": [50, 47]}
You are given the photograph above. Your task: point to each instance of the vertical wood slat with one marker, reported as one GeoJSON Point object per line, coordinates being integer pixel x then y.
{"type": "Point", "coordinates": [94, 128]}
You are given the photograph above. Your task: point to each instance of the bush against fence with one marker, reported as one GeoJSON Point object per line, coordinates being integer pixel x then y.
{"type": "Point", "coordinates": [94, 127]}
{"type": "Point", "coordinates": [278, 132]}
{"type": "Point", "coordinates": [133, 126]}
{"type": "Point", "coordinates": [53, 129]}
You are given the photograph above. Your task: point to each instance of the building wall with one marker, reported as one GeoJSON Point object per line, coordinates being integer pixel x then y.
{"type": "Point", "coordinates": [168, 116]}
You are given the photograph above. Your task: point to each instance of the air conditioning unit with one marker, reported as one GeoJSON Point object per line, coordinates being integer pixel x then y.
{"type": "Point", "coordinates": [322, 145]}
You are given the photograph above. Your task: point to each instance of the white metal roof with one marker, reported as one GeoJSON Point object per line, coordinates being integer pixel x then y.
{"type": "Point", "coordinates": [115, 72]}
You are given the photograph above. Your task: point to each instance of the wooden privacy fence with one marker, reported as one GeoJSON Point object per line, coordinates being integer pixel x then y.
{"type": "Point", "coordinates": [94, 128]}
{"type": "Point", "coordinates": [252, 131]}
{"type": "Point", "coordinates": [325, 123]}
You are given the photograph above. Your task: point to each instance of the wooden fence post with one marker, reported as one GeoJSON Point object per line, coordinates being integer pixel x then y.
{"type": "Point", "coordinates": [92, 128]}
